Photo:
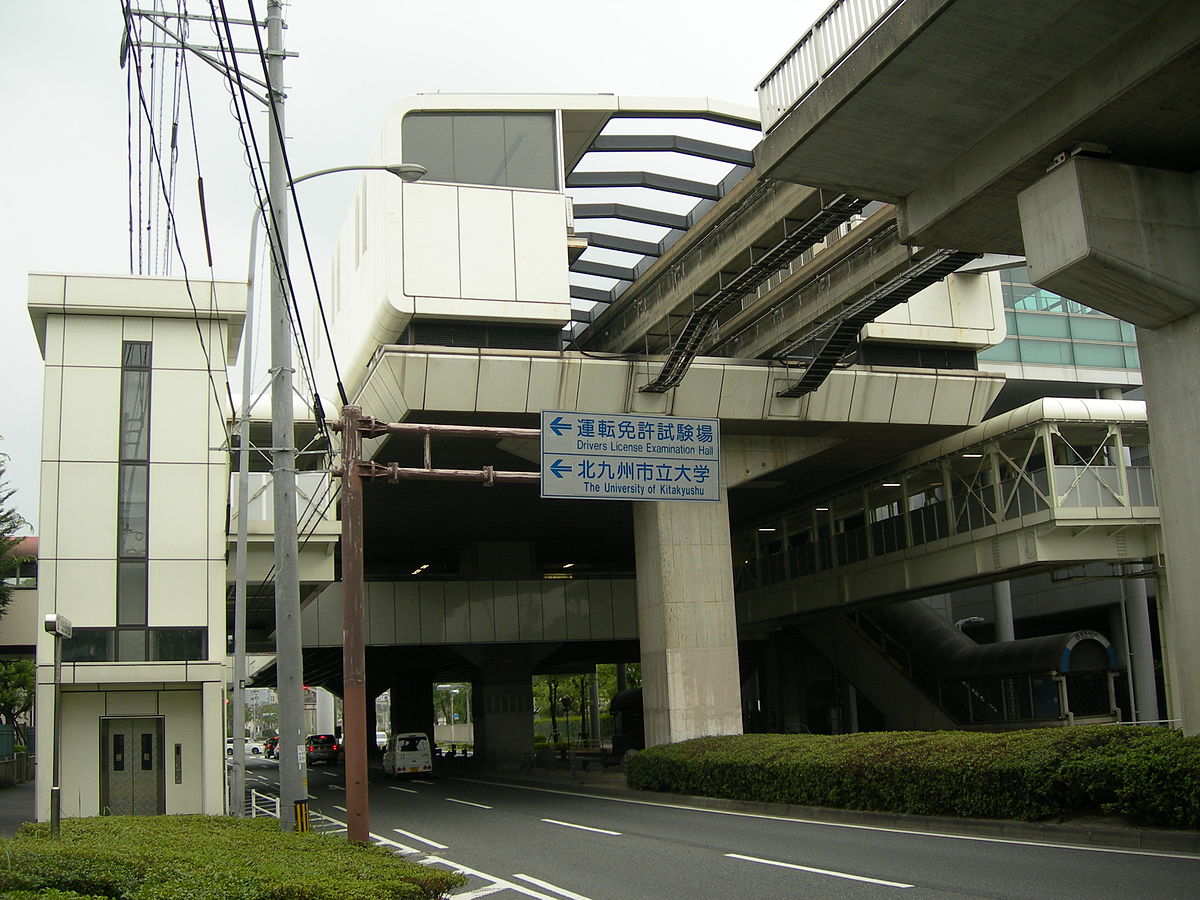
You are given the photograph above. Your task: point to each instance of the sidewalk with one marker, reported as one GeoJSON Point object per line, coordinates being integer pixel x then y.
{"type": "Point", "coordinates": [16, 808]}
{"type": "Point", "coordinates": [1096, 831]}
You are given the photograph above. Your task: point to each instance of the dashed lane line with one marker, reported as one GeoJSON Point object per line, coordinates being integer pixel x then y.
{"type": "Point", "coordinates": [469, 803]}
{"type": "Point", "coordinates": [582, 827]}
{"type": "Point", "coordinates": [832, 874]}
{"type": "Point", "coordinates": [392, 787]}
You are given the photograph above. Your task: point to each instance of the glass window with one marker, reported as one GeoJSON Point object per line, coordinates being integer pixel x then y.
{"type": "Point", "coordinates": [1052, 352]}
{"type": "Point", "coordinates": [136, 355]}
{"type": "Point", "coordinates": [1132, 359]}
{"type": "Point", "coordinates": [508, 149]}
{"type": "Point", "coordinates": [177, 644]}
{"type": "Point", "coordinates": [1095, 328]}
{"type": "Point", "coordinates": [1042, 325]}
{"type": "Point", "coordinates": [89, 645]}
{"type": "Point", "coordinates": [133, 510]}
{"type": "Point", "coordinates": [135, 415]}
{"type": "Point", "coordinates": [131, 645]}
{"type": "Point", "coordinates": [1005, 351]}
{"type": "Point", "coordinates": [131, 593]}
{"type": "Point", "coordinates": [1107, 355]}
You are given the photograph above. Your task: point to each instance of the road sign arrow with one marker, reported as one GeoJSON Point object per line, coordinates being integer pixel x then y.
{"type": "Point", "coordinates": [558, 467]}
{"type": "Point", "coordinates": [558, 426]}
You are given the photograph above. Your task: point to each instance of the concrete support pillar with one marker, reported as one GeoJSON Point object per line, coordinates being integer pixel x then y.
{"type": "Point", "coordinates": [503, 707]}
{"type": "Point", "coordinates": [412, 702]}
{"type": "Point", "coordinates": [1123, 238]}
{"type": "Point", "coordinates": [324, 721]}
{"type": "Point", "coordinates": [1141, 650]}
{"type": "Point", "coordinates": [1002, 607]}
{"type": "Point", "coordinates": [1168, 358]}
{"type": "Point", "coordinates": [690, 679]}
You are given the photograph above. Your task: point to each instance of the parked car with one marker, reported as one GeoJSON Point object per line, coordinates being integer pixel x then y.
{"type": "Point", "coordinates": [408, 754]}
{"type": "Point", "coordinates": [322, 748]}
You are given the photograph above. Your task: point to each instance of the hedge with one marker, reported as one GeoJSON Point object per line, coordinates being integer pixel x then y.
{"type": "Point", "coordinates": [205, 858]}
{"type": "Point", "coordinates": [1148, 776]}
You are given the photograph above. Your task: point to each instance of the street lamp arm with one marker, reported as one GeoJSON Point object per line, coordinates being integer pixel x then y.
{"type": "Point", "coordinates": [404, 171]}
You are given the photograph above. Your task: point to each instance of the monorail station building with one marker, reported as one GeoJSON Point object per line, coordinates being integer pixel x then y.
{"type": "Point", "coordinates": [929, 502]}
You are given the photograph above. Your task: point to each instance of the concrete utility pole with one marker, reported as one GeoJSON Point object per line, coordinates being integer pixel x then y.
{"type": "Point", "coordinates": [289, 659]}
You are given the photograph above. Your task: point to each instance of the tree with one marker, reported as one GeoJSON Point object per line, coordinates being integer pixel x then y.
{"type": "Point", "coordinates": [16, 693]}
{"type": "Point", "coordinates": [10, 523]}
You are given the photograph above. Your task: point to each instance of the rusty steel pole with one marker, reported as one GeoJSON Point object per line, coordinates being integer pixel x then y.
{"type": "Point", "coordinates": [354, 690]}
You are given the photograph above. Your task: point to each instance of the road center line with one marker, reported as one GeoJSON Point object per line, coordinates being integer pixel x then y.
{"type": "Point", "coordinates": [815, 871]}
{"type": "Point", "coordinates": [545, 885]}
{"type": "Point", "coordinates": [468, 803]}
{"type": "Point", "coordinates": [392, 787]}
{"type": "Point", "coordinates": [416, 837]}
{"type": "Point", "coordinates": [581, 827]}
{"type": "Point", "coordinates": [421, 781]}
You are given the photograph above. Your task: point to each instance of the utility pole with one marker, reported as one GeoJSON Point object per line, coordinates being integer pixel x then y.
{"type": "Point", "coordinates": [289, 659]}
{"type": "Point", "coordinates": [354, 675]}
{"type": "Point", "coordinates": [354, 426]}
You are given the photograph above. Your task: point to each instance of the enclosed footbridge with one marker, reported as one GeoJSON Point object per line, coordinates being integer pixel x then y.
{"type": "Point", "coordinates": [1057, 485]}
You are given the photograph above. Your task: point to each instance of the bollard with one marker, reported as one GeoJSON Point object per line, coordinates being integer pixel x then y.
{"type": "Point", "coordinates": [302, 815]}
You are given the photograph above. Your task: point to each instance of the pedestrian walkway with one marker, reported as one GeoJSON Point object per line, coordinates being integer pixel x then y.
{"type": "Point", "coordinates": [16, 808]}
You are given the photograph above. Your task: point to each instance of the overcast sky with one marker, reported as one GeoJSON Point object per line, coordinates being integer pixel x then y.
{"type": "Point", "coordinates": [63, 154]}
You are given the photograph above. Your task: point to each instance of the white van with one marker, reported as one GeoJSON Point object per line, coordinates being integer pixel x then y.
{"type": "Point", "coordinates": [408, 754]}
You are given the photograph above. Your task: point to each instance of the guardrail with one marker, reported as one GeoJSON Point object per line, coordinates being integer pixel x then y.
{"type": "Point", "coordinates": [832, 37]}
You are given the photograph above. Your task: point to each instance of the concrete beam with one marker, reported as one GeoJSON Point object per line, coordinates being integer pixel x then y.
{"type": "Point", "coordinates": [1118, 237]}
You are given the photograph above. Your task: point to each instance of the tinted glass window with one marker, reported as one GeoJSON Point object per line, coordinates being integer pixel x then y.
{"type": "Point", "coordinates": [506, 149]}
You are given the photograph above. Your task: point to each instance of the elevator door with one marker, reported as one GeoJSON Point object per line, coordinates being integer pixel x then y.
{"type": "Point", "coordinates": [132, 779]}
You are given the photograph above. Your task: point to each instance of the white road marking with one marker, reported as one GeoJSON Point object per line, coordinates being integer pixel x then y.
{"type": "Point", "coordinates": [1052, 845]}
{"type": "Point", "coordinates": [337, 787]}
{"type": "Point", "coordinates": [468, 803]}
{"type": "Point", "coordinates": [420, 781]}
{"type": "Point", "coordinates": [509, 885]}
{"type": "Point", "coordinates": [402, 849]}
{"type": "Point", "coordinates": [829, 872]}
{"type": "Point", "coordinates": [484, 891]}
{"type": "Point", "coordinates": [581, 827]}
{"type": "Point", "coordinates": [328, 774]}
{"type": "Point", "coordinates": [341, 809]}
{"type": "Point", "coordinates": [571, 895]}
{"type": "Point", "coordinates": [416, 837]}
{"type": "Point", "coordinates": [392, 787]}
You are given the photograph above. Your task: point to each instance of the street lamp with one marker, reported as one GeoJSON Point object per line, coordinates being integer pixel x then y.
{"type": "Point", "coordinates": [59, 627]}
{"type": "Point", "coordinates": [407, 172]}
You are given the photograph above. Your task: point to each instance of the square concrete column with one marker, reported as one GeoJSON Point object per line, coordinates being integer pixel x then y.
{"type": "Point", "coordinates": [1168, 360]}
{"type": "Point", "coordinates": [686, 626]}
{"type": "Point", "coordinates": [503, 707]}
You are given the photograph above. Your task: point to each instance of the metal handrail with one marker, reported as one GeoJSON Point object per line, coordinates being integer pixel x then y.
{"type": "Point", "coordinates": [832, 37]}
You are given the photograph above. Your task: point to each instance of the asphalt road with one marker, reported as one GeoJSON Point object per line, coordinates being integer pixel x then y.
{"type": "Point", "coordinates": [544, 842]}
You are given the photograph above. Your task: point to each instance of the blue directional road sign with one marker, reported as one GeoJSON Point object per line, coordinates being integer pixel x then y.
{"type": "Point", "coordinates": [611, 456]}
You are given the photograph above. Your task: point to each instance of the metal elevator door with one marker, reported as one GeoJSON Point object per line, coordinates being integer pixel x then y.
{"type": "Point", "coordinates": [132, 775]}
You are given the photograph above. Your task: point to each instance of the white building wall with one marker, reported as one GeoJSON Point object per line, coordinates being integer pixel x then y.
{"type": "Point", "coordinates": [81, 322]}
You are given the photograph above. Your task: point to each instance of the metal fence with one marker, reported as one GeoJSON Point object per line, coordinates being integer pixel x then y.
{"type": "Point", "coordinates": [832, 37]}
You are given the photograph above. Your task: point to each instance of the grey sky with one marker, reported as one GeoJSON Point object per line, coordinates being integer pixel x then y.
{"type": "Point", "coordinates": [63, 164]}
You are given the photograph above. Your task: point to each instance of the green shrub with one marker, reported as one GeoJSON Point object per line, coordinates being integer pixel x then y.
{"type": "Point", "coordinates": [1150, 776]}
{"type": "Point", "coordinates": [205, 858]}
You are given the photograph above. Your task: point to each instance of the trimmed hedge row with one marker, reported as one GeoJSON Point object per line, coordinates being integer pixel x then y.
{"type": "Point", "coordinates": [1149, 776]}
{"type": "Point", "coordinates": [205, 858]}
